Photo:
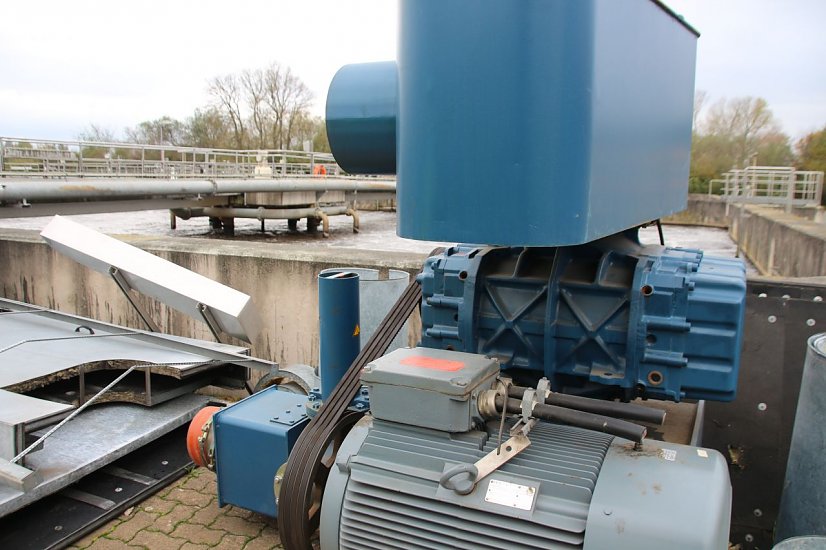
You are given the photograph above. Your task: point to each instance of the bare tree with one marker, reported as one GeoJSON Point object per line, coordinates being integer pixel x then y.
{"type": "Point", "coordinates": [97, 133]}
{"type": "Point", "coordinates": [226, 92]}
{"type": "Point", "coordinates": [209, 127]}
{"type": "Point", "coordinates": [254, 87]}
{"type": "Point", "coordinates": [734, 133]}
{"type": "Point", "coordinates": [162, 131]}
{"type": "Point", "coordinates": [744, 121]}
{"type": "Point", "coordinates": [288, 98]}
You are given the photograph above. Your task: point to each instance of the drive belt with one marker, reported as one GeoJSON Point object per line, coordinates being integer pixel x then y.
{"type": "Point", "coordinates": [302, 486]}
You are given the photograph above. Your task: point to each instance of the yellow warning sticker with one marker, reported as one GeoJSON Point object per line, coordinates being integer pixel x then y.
{"type": "Point", "coordinates": [357, 331]}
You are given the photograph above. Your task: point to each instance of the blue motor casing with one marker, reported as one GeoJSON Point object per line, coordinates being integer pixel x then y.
{"type": "Point", "coordinates": [253, 438]}
{"type": "Point", "coordinates": [610, 317]}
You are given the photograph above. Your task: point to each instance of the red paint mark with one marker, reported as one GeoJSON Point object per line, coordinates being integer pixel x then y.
{"type": "Point", "coordinates": [432, 363]}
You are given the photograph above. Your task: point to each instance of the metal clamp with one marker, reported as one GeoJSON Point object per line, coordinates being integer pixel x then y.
{"type": "Point", "coordinates": [543, 389]}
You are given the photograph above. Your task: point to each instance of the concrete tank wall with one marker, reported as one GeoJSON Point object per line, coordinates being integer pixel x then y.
{"type": "Point", "coordinates": [281, 280]}
{"type": "Point", "coordinates": [703, 210]}
{"type": "Point", "coordinates": [778, 243]}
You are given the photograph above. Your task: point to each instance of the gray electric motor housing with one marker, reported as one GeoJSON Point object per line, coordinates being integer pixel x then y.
{"type": "Point", "coordinates": [571, 488]}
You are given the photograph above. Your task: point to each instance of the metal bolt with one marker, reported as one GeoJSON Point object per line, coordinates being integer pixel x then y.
{"type": "Point", "coordinates": [758, 512]}
{"type": "Point", "coordinates": [608, 511]}
{"type": "Point", "coordinates": [772, 319]}
{"type": "Point", "coordinates": [762, 407]}
{"type": "Point", "coordinates": [165, 462]}
{"type": "Point", "coordinates": [786, 297]}
{"type": "Point", "coordinates": [359, 406]}
{"type": "Point", "coordinates": [118, 489]}
{"type": "Point", "coordinates": [818, 298]}
{"type": "Point", "coordinates": [762, 295]}
{"type": "Point", "coordinates": [810, 322]}
{"type": "Point", "coordinates": [58, 528]}
{"type": "Point", "coordinates": [749, 537]}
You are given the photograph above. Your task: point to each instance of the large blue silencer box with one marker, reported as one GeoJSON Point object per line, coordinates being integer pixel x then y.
{"type": "Point", "coordinates": [541, 122]}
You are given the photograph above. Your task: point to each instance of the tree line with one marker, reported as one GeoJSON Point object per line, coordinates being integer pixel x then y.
{"type": "Point", "coordinates": [738, 132]}
{"type": "Point", "coordinates": [264, 108]}
{"type": "Point", "coordinates": [268, 108]}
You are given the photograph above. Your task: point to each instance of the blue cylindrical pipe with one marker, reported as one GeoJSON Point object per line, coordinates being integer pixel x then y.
{"type": "Point", "coordinates": [338, 311]}
{"type": "Point", "coordinates": [362, 103]}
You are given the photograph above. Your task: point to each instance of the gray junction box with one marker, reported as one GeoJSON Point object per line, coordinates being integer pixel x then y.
{"type": "Point", "coordinates": [429, 388]}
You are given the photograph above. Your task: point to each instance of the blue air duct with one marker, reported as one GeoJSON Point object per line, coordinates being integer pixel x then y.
{"type": "Point", "coordinates": [339, 331]}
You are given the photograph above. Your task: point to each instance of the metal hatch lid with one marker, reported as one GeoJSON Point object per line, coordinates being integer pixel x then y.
{"type": "Point", "coordinates": [447, 372]}
{"type": "Point", "coordinates": [160, 279]}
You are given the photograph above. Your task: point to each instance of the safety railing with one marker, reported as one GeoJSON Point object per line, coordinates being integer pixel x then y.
{"type": "Point", "coordinates": [771, 185]}
{"type": "Point", "coordinates": [28, 157]}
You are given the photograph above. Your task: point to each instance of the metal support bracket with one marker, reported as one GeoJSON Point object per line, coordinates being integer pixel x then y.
{"type": "Point", "coordinates": [474, 473]}
{"type": "Point", "coordinates": [353, 214]}
{"type": "Point", "coordinates": [210, 320]}
{"type": "Point", "coordinates": [123, 285]}
{"type": "Point", "coordinates": [504, 452]}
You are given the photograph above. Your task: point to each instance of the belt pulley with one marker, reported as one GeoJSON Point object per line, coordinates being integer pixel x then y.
{"type": "Point", "coordinates": [314, 452]}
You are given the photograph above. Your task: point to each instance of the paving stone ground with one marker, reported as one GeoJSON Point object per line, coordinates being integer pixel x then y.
{"type": "Point", "coordinates": [185, 516]}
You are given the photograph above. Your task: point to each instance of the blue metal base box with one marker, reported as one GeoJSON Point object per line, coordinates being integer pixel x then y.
{"type": "Point", "coordinates": [253, 438]}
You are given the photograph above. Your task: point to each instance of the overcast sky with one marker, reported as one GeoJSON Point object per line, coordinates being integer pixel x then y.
{"type": "Point", "coordinates": [66, 64]}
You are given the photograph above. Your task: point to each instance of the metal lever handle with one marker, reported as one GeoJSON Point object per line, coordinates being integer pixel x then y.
{"type": "Point", "coordinates": [462, 486]}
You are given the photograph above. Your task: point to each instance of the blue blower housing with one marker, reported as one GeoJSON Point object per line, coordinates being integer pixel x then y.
{"type": "Point", "coordinates": [610, 317]}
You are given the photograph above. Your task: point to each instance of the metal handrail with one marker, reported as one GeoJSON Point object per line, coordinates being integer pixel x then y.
{"type": "Point", "coordinates": [782, 185]}
{"type": "Point", "coordinates": [56, 158]}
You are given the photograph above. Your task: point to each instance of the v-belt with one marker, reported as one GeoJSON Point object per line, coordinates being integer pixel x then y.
{"type": "Point", "coordinates": [299, 512]}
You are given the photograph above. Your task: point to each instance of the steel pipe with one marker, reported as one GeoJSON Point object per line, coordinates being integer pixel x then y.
{"type": "Point", "coordinates": [339, 332]}
{"type": "Point", "coordinates": [14, 189]}
{"type": "Point", "coordinates": [260, 213]}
